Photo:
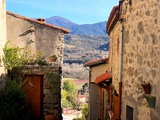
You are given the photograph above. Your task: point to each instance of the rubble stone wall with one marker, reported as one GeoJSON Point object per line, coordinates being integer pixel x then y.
{"type": "Point", "coordinates": [52, 98]}
{"type": "Point", "coordinates": [141, 60]}
{"type": "Point", "coordinates": [114, 55]}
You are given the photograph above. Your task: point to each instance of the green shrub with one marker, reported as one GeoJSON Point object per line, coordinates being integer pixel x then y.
{"type": "Point", "coordinates": [12, 56]}
{"type": "Point", "coordinates": [12, 102]}
{"type": "Point", "coordinates": [84, 114]}
{"type": "Point", "coordinates": [69, 94]}
{"type": "Point", "coordinates": [16, 57]}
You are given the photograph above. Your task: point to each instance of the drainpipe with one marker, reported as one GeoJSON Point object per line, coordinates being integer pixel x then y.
{"type": "Point", "coordinates": [121, 52]}
{"type": "Point", "coordinates": [120, 69]}
{"type": "Point", "coordinates": [121, 59]}
{"type": "Point", "coordinates": [121, 45]}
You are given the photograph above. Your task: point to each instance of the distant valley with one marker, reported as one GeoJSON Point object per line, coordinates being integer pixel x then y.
{"type": "Point", "coordinates": [83, 48]}
{"type": "Point", "coordinates": [84, 43]}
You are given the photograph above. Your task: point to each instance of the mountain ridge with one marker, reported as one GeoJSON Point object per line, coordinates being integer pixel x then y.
{"type": "Point", "coordinates": [78, 29]}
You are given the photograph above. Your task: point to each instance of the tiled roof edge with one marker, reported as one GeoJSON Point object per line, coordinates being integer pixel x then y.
{"type": "Point", "coordinates": [95, 62]}
{"type": "Point", "coordinates": [111, 18]}
{"type": "Point", "coordinates": [29, 19]}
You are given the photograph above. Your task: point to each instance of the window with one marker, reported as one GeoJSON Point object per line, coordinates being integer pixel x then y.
{"type": "Point", "coordinates": [129, 113]}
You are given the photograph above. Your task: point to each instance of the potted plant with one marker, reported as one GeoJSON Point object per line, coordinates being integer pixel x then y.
{"type": "Point", "coordinates": [53, 58]}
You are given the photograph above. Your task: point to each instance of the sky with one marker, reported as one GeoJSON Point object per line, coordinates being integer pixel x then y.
{"type": "Point", "coordinates": [77, 11]}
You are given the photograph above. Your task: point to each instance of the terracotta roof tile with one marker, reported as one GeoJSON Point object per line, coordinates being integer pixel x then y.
{"type": "Point", "coordinates": [95, 62]}
{"type": "Point", "coordinates": [103, 77]}
{"type": "Point", "coordinates": [113, 16]}
{"type": "Point", "coordinates": [42, 23]}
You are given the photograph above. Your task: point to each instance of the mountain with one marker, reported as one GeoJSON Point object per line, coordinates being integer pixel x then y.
{"type": "Point", "coordinates": [85, 29]}
{"type": "Point", "coordinates": [83, 48]}
{"type": "Point", "coordinates": [84, 43]}
{"type": "Point", "coordinates": [60, 21]}
{"type": "Point", "coordinates": [89, 29]}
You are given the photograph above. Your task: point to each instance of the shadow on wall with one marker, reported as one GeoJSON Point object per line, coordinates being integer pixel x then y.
{"type": "Point", "coordinates": [25, 33]}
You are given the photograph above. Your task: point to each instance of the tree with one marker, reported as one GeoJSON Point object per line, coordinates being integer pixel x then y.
{"type": "Point", "coordinates": [68, 94]}
{"type": "Point", "coordinates": [69, 87]}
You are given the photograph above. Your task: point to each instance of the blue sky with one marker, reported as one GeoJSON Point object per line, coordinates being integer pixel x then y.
{"type": "Point", "coordinates": [78, 11]}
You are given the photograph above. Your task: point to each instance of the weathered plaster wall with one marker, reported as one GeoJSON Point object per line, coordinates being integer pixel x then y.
{"type": "Point", "coordinates": [98, 70]}
{"type": "Point", "coordinates": [2, 40]}
{"type": "Point", "coordinates": [44, 38]}
{"type": "Point", "coordinates": [114, 54]}
{"type": "Point", "coordinates": [141, 61]}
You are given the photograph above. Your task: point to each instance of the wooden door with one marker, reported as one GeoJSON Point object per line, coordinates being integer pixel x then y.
{"type": "Point", "coordinates": [33, 88]}
{"type": "Point", "coordinates": [94, 102]}
{"type": "Point", "coordinates": [103, 103]}
{"type": "Point", "coordinates": [116, 107]}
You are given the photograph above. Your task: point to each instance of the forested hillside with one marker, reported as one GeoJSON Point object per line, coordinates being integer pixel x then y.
{"type": "Point", "coordinates": [84, 43]}
{"type": "Point", "coordinates": [83, 48]}
{"type": "Point", "coordinates": [80, 49]}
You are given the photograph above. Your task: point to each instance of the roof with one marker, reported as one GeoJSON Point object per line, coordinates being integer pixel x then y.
{"type": "Point", "coordinates": [104, 77]}
{"type": "Point", "coordinates": [112, 18]}
{"type": "Point", "coordinates": [42, 23]}
{"type": "Point", "coordinates": [95, 62]}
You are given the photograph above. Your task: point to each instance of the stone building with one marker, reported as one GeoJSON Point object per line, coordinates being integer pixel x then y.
{"type": "Point", "coordinates": [115, 61]}
{"type": "Point", "coordinates": [35, 35]}
{"type": "Point", "coordinates": [43, 96]}
{"type": "Point", "coordinates": [134, 58]}
{"type": "Point", "coordinates": [2, 40]}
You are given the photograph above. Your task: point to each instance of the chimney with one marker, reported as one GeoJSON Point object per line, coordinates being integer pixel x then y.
{"type": "Point", "coordinates": [40, 20]}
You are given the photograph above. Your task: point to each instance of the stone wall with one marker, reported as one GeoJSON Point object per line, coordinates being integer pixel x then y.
{"type": "Point", "coordinates": [26, 33]}
{"type": "Point", "coordinates": [141, 61]}
{"type": "Point", "coordinates": [114, 55]}
{"type": "Point", "coordinates": [2, 40]}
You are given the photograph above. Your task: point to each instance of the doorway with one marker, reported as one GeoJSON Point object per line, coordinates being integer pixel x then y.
{"type": "Point", "coordinates": [33, 89]}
